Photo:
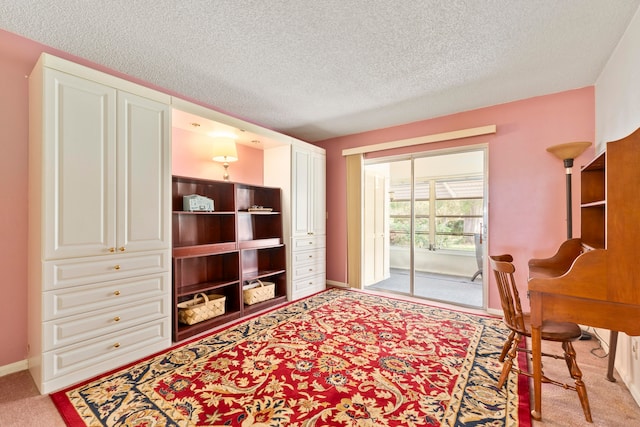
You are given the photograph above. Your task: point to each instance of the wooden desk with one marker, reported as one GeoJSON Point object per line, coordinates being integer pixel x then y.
{"type": "Point", "coordinates": [579, 295]}
{"type": "Point", "coordinates": [558, 265]}
{"type": "Point", "coordinates": [601, 287]}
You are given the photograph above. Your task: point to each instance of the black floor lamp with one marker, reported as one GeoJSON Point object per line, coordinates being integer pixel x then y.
{"type": "Point", "coordinates": [567, 153]}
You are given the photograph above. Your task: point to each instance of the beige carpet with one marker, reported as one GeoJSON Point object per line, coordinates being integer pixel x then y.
{"type": "Point", "coordinates": [21, 405]}
{"type": "Point", "coordinates": [611, 403]}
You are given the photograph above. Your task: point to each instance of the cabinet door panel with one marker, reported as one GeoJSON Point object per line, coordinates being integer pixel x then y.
{"type": "Point", "coordinates": [144, 189]}
{"type": "Point", "coordinates": [300, 188]}
{"type": "Point", "coordinates": [308, 188]}
{"type": "Point", "coordinates": [79, 144]}
{"type": "Point", "coordinates": [318, 194]}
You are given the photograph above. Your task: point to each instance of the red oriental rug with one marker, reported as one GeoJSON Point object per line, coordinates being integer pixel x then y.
{"type": "Point", "coordinates": [338, 358]}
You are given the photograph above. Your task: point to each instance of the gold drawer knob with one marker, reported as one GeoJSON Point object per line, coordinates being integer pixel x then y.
{"type": "Point", "coordinates": [116, 319]}
{"type": "Point", "coordinates": [121, 249]}
{"type": "Point", "coordinates": [116, 345]}
{"type": "Point", "coordinates": [112, 250]}
{"type": "Point", "coordinates": [116, 267]}
{"type": "Point", "coordinates": [116, 293]}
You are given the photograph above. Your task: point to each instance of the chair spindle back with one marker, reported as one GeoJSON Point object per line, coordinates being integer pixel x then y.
{"type": "Point", "coordinates": [503, 269]}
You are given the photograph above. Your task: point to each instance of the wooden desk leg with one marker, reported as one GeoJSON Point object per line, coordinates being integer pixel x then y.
{"type": "Point", "coordinates": [536, 355]}
{"type": "Point", "coordinates": [613, 344]}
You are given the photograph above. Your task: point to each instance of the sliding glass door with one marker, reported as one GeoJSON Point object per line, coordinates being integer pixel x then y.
{"type": "Point", "coordinates": [423, 226]}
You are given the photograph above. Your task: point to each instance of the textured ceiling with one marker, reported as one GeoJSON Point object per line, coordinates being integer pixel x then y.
{"type": "Point", "coordinates": [316, 69]}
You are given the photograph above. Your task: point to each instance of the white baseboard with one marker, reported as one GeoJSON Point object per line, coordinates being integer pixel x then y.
{"type": "Point", "coordinates": [335, 284]}
{"type": "Point", "coordinates": [14, 367]}
{"type": "Point", "coordinates": [628, 380]}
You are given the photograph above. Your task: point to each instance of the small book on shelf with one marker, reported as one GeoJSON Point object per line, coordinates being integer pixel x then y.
{"type": "Point", "coordinates": [259, 209]}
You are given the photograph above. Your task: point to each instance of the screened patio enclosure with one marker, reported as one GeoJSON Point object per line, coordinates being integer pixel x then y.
{"type": "Point", "coordinates": [423, 226]}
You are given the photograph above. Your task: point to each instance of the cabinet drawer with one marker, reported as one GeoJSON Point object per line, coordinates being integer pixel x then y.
{"type": "Point", "coordinates": [74, 329]}
{"type": "Point", "coordinates": [309, 266]}
{"type": "Point", "coordinates": [65, 273]}
{"type": "Point", "coordinates": [89, 298]}
{"type": "Point", "coordinates": [309, 284]}
{"type": "Point", "coordinates": [90, 358]}
{"type": "Point", "coordinates": [302, 243]}
{"type": "Point", "coordinates": [304, 257]}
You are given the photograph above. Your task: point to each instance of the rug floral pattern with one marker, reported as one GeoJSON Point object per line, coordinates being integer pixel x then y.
{"type": "Point", "coordinates": [339, 358]}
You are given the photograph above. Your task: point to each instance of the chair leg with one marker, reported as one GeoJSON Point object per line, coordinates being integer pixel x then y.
{"type": "Point", "coordinates": [508, 364]}
{"type": "Point", "coordinates": [506, 346]}
{"type": "Point", "coordinates": [576, 374]}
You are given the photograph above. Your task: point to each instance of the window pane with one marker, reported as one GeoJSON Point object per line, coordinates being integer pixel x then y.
{"type": "Point", "coordinates": [422, 190]}
{"type": "Point", "coordinates": [461, 243]}
{"type": "Point", "coordinates": [421, 207]}
{"type": "Point", "coordinates": [460, 188]}
{"type": "Point", "coordinates": [399, 231]}
{"type": "Point", "coordinates": [464, 207]}
{"type": "Point", "coordinates": [458, 212]}
{"type": "Point", "coordinates": [400, 208]}
{"type": "Point", "coordinates": [422, 232]}
{"type": "Point", "coordinates": [459, 207]}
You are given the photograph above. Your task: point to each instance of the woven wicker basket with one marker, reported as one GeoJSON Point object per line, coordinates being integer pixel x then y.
{"type": "Point", "coordinates": [258, 291]}
{"type": "Point", "coordinates": [200, 308]}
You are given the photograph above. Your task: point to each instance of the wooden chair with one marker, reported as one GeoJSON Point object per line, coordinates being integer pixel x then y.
{"type": "Point", "coordinates": [519, 324]}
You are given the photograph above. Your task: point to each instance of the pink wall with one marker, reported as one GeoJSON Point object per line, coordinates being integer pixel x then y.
{"type": "Point", "coordinates": [17, 58]}
{"type": "Point", "coordinates": [191, 156]}
{"type": "Point", "coordinates": [527, 208]}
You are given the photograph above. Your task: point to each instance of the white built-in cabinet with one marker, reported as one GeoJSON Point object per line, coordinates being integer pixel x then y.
{"type": "Point", "coordinates": [300, 170]}
{"type": "Point", "coordinates": [308, 201]}
{"type": "Point", "coordinates": [99, 223]}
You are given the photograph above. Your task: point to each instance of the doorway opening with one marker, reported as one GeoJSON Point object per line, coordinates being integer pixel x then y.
{"type": "Point", "coordinates": [424, 231]}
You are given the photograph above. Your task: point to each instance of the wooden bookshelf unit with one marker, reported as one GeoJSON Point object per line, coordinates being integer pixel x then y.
{"type": "Point", "coordinates": [222, 250]}
{"type": "Point", "coordinates": [593, 203]}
